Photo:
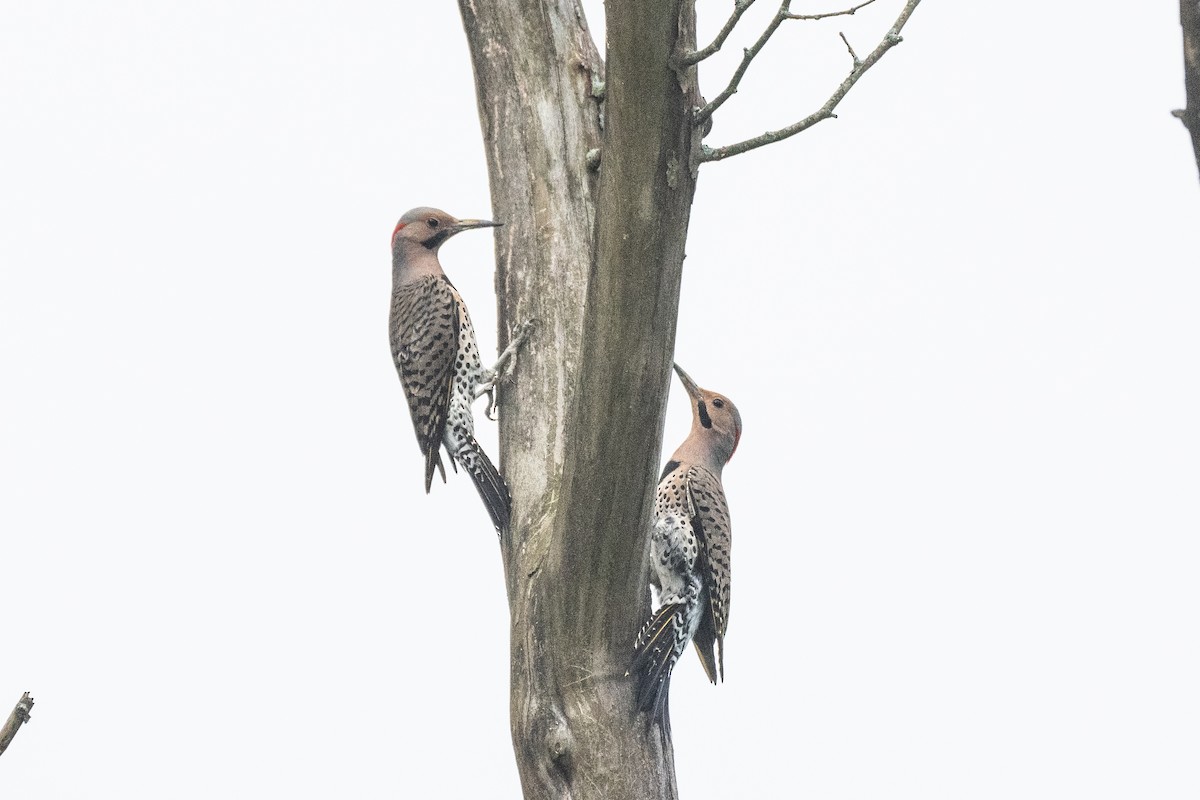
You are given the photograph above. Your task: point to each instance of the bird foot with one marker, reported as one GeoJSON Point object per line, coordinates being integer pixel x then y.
{"type": "Point", "coordinates": [501, 372]}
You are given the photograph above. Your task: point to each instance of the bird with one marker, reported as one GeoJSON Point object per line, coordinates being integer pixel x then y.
{"type": "Point", "coordinates": [689, 552]}
{"type": "Point", "coordinates": [437, 357]}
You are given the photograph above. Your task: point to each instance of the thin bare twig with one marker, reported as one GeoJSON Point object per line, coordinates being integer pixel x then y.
{"type": "Point", "coordinates": [890, 40]}
{"type": "Point", "coordinates": [853, 54]}
{"type": "Point", "coordinates": [739, 8]}
{"type": "Point", "coordinates": [847, 12]}
{"type": "Point", "coordinates": [18, 717]}
{"type": "Point", "coordinates": [748, 54]}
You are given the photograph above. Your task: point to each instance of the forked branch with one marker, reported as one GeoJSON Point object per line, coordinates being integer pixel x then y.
{"type": "Point", "coordinates": [748, 55]}
{"type": "Point", "coordinates": [890, 40]}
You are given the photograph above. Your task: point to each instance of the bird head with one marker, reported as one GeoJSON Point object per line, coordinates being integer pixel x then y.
{"type": "Point", "coordinates": [431, 227]}
{"type": "Point", "coordinates": [715, 419]}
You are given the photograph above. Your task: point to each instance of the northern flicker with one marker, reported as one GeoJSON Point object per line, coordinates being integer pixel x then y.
{"type": "Point", "coordinates": [689, 551]}
{"type": "Point", "coordinates": [434, 348]}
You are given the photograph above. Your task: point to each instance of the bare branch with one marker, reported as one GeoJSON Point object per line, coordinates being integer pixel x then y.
{"type": "Point", "coordinates": [739, 8]}
{"type": "Point", "coordinates": [749, 53]}
{"type": "Point", "coordinates": [890, 40]}
{"type": "Point", "coordinates": [19, 716]}
{"type": "Point", "coordinates": [747, 56]}
{"type": "Point", "coordinates": [848, 12]}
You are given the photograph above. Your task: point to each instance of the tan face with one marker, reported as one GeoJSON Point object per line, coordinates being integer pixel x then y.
{"type": "Point", "coordinates": [423, 224]}
{"type": "Point", "coordinates": [431, 227]}
{"type": "Point", "coordinates": [713, 412]}
{"type": "Point", "coordinates": [722, 416]}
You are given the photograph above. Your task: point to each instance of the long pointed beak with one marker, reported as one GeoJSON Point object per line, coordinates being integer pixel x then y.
{"type": "Point", "coordinates": [467, 224]}
{"type": "Point", "coordinates": [688, 383]}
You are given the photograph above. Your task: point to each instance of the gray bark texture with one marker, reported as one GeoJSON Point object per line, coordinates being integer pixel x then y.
{"type": "Point", "coordinates": [595, 257]}
{"type": "Point", "coordinates": [1189, 17]}
{"type": "Point", "coordinates": [18, 717]}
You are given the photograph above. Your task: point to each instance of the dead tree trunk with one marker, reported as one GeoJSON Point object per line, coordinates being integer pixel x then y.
{"type": "Point", "coordinates": [593, 169]}
{"type": "Point", "coordinates": [595, 256]}
{"type": "Point", "coordinates": [1189, 17]}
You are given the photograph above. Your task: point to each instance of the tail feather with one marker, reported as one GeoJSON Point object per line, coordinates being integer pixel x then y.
{"type": "Point", "coordinates": [433, 460]}
{"type": "Point", "coordinates": [655, 653]}
{"type": "Point", "coordinates": [491, 487]}
{"type": "Point", "coordinates": [710, 648]}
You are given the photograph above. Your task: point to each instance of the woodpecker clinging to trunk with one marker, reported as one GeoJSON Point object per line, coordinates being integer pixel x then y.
{"type": "Point", "coordinates": [433, 345]}
{"type": "Point", "coordinates": [689, 551]}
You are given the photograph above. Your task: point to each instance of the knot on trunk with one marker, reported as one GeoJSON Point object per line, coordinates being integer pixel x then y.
{"type": "Point", "coordinates": [559, 746]}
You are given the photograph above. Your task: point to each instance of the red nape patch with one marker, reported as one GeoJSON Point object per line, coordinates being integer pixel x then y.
{"type": "Point", "coordinates": [399, 225]}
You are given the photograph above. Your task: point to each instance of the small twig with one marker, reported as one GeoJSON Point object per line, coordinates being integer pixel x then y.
{"type": "Point", "coordinates": [853, 54]}
{"type": "Point", "coordinates": [849, 12]}
{"type": "Point", "coordinates": [890, 40]}
{"type": "Point", "coordinates": [19, 716]}
{"type": "Point", "coordinates": [739, 8]}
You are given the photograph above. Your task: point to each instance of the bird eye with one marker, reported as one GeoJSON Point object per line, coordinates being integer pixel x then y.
{"type": "Point", "coordinates": [433, 223]}
{"type": "Point", "coordinates": [718, 402]}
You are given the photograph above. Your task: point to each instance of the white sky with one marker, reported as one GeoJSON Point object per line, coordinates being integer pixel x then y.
{"type": "Point", "coordinates": [959, 321]}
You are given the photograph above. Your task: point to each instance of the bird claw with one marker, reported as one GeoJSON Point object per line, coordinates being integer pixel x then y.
{"type": "Point", "coordinates": [490, 410]}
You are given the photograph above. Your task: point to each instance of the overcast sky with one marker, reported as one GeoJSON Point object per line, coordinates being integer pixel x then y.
{"type": "Point", "coordinates": [959, 321]}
